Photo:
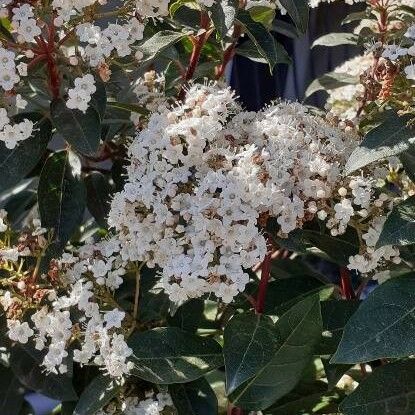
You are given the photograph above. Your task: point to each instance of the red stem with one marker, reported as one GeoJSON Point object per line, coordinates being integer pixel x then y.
{"type": "Point", "coordinates": [346, 284]}
{"type": "Point", "coordinates": [198, 44]}
{"type": "Point", "coordinates": [229, 52]}
{"type": "Point", "coordinates": [263, 284]}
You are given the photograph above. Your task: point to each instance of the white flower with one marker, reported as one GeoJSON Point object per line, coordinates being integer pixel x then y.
{"type": "Point", "coordinates": [19, 332]}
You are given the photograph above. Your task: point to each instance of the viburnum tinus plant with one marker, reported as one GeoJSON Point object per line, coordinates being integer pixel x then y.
{"type": "Point", "coordinates": [165, 251]}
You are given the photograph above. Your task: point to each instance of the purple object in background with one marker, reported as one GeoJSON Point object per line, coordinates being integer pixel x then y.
{"type": "Point", "coordinates": [42, 405]}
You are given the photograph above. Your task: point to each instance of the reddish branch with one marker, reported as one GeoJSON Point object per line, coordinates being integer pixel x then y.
{"type": "Point", "coordinates": [346, 284]}
{"type": "Point", "coordinates": [198, 43]}
{"type": "Point", "coordinates": [229, 51]}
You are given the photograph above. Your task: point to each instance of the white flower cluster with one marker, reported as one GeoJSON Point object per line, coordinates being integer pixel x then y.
{"type": "Point", "coordinates": [80, 96]}
{"type": "Point", "coordinates": [8, 74]}
{"type": "Point", "coordinates": [203, 173]}
{"type": "Point", "coordinates": [153, 404]}
{"type": "Point", "coordinates": [12, 134]}
{"type": "Point", "coordinates": [24, 23]}
{"type": "Point", "coordinates": [343, 101]}
{"type": "Point", "coordinates": [149, 90]}
{"type": "Point", "coordinates": [373, 258]}
{"type": "Point", "coordinates": [116, 37]}
{"type": "Point", "coordinates": [53, 327]}
{"type": "Point", "coordinates": [410, 3]}
{"type": "Point", "coordinates": [395, 52]}
{"type": "Point", "coordinates": [76, 316]}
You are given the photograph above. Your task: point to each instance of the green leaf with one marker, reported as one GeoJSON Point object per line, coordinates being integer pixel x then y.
{"type": "Point", "coordinates": [188, 315]}
{"type": "Point", "coordinates": [287, 353]}
{"type": "Point", "coordinates": [390, 138]}
{"type": "Point", "coordinates": [96, 395]}
{"type": "Point", "coordinates": [383, 326]}
{"type": "Point", "coordinates": [408, 161]}
{"type": "Point", "coordinates": [99, 98]}
{"type": "Point", "coordinates": [284, 293]}
{"type": "Point", "coordinates": [128, 107]}
{"type": "Point", "coordinates": [262, 14]}
{"type": "Point", "coordinates": [335, 314]}
{"type": "Point", "coordinates": [330, 81]}
{"type": "Point", "coordinates": [15, 164]}
{"type": "Point", "coordinates": [194, 398]}
{"type": "Point", "coordinates": [261, 37]}
{"type": "Point", "coordinates": [170, 355]}
{"type": "Point", "coordinates": [11, 392]}
{"type": "Point", "coordinates": [336, 39]}
{"type": "Point", "coordinates": [298, 11]}
{"type": "Point", "coordinates": [248, 341]}
{"type": "Point", "coordinates": [250, 51]}
{"type": "Point", "coordinates": [61, 197]}
{"type": "Point", "coordinates": [304, 399]}
{"type": "Point", "coordinates": [26, 366]}
{"type": "Point", "coordinates": [159, 42]}
{"type": "Point", "coordinates": [390, 389]}
{"type": "Point", "coordinates": [81, 130]}
{"type": "Point", "coordinates": [99, 193]}
{"type": "Point", "coordinates": [337, 249]}
{"type": "Point", "coordinates": [223, 14]}
{"type": "Point", "coordinates": [399, 228]}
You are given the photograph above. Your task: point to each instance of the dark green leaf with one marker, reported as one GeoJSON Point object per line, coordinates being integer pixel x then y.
{"type": "Point", "coordinates": [249, 340]}
{"type": "Point", "coordinates": [96, 395]}
{"type": "Point", "coordinates": [335, 314]}
{"type": "Point", "coordinates": [408, 161]}
{"type": "Point", "coordinates": [330, 81]}
{"type": "Point", "coordinates": [11, 392]}
{"type": "Point", "coordinates": [223, 15]}
{"type": "Point", "coordinates": [390, 138]}
{"type": "Point", "coordinates": [17, 163]}
{"type": "Point", "coordinates": [383, 326]}
{"type": "Point", "coordinates": [262, 39]}
{"type": "Point", "coordinates": [288, 352]}
{"type": "Point", "coordinates": [26, 367]}
{"type": "Point", "coordinates": [194, 398]}
{"type": "Point", "coordinates": [99, 193]}
{"type": "Point", "coordinates": [188, 316]}
{"type": "Point", "coordinates": [284, 293]}
{"type": "Point", "coordinates": [81, 130]}
{"type": "Point", "coordinates": [61, 197]}
{"type": "Point", "coordinates": [399, 228]}
{"type": "Point", "coordinates": [336, 39]}
{"type": "Point", "coordinates": [170, 355]}
{"type": "Point", "coordinates": [304, 399]}
{"type": "Point", "coordinates": [99, 98]}
{"type": "Point", "coordinates": [250, 51]}
{"type": "Point", "coordinates": [298, 11]}
{"type": "Point", "coordinates": [159, 42]}
{"type": "Point", "coordinates": [390, 390]}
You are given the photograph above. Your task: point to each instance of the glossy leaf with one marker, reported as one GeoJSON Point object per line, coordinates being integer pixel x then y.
{"type": "Point", "coordinates": [298, 11]}
{"type": "Point", "coordinates": [61, 197]}
{"type": "Point", "coordinates": [17, 163]}
{"type": "Point", "coordinates": [388, 390]}
{"type": "Point", "coordinates": [96, 395]}
{"type": "Point", "coordinates": [223, 14]}
{"type": "Point", "coordinates": [390, 138]}
{"type": "Point", "coordinates": [26, 365]}
{"type": "Point", "coordinates": [336, 39]}
{"type": "Point", "coordinates": [98, 191]}
{"type": "Point", "coordinates": [81, 130]}
{"type": "Point", "coordinates": [11, 392]}
{"type": "Point", "coordinates": [194, 398]}
{"type": "Point", "coordinates": [158, 43]}
{"type": "Point", "coordinates": [330, 81]}
{"type": "Point", "coordinates": [170, 355]}
{"type": "Point", "coordinates": [288, 353]}
{"type": "Point", "coordinates": [383, 326]}
{"type": "Point", "coordinates": [260, 36]}
{"type": "Point", "coordinates": [399, 228]}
